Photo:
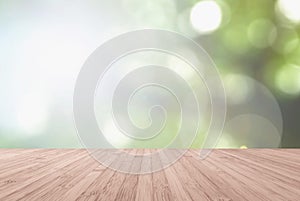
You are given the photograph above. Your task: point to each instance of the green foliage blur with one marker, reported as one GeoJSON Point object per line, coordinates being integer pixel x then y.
{"type": "Point", "coordinates": [259, 39]}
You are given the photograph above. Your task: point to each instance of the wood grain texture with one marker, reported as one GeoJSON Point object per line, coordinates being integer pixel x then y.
{"type": "Point", "coordinates": [226, 174]}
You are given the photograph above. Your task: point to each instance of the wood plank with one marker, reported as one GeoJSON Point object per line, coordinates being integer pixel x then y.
{"type": "Point", "coordinates": [127, 191]}
{"type": "Point", "coordinates": [145, 185]}
{"type": "Point", "coordinates": [161, 190]}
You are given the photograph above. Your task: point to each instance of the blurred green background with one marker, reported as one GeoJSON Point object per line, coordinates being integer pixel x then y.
{"type": "Point", "coordinates": [43, 45]}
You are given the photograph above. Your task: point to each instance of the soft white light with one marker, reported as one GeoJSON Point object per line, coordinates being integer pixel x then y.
{"type": "Point", "coordinates": [290, 9]}
{"type": "Point", "coordinates": [206, 16]}
{"type": "Point", "coordinates": [32, 113]}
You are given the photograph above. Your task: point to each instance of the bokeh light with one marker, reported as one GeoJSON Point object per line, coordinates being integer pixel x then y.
{"type": "Point", "coordinates": [288, 79]}
{"type": "Point", "coordinates": [266, 34]}
{"type": "Point", "coordinates": [235, 39]}
{"type": "Point", "coordinates": [286, 41]}
{"type": "Point", "coordinates": [290, 9]}
{"type": "Point", "coordinates": [206, 16]}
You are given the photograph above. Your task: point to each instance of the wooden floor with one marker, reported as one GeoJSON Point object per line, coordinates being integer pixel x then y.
{"type": "Point", "coordinates": [71, 174]}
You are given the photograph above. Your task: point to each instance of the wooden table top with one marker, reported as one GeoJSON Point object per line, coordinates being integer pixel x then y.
{"type": "Point", "coordinates": [226, 174]}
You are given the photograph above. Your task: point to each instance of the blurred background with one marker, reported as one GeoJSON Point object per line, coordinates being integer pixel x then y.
{"type": "Point", "coordinates": [254, 43]}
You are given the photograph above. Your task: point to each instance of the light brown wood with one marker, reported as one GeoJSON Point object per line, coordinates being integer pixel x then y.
{"type": "Point", "coordinates": [72, 174]}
